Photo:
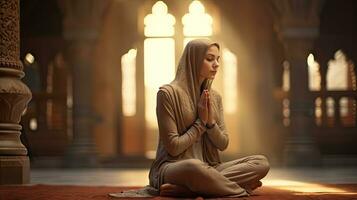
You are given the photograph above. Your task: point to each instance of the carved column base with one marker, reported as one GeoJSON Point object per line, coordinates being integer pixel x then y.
{"type": "Point", "coordinates": [14, 97]}
{"type": "Point", "coordinates": [14, 170]}
{"type": "Point", "coordinates": [10, 143]}
{"type": "Point", "coordinates": [301, 152]}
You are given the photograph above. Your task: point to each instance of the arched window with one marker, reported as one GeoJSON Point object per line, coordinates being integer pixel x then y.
{"type": "Point", "coordinates": [230, 81]}
{"type": "Point", "coordinates": [159, 65]}
{"type": "Point", "coordinates": [196, 23]}
{"type": "Point", "coordinates": [128, 63]}
{"type": "Point", "coordinates": [314, 73]}
{"type": "Point", "coordinates": [337, 72]}
{"type": "Point", "coordinates": [341, 76]}
{"type": "Point", "coordinates": [286, 76]}
{"type": "Point", "coordinates": [159, 56]}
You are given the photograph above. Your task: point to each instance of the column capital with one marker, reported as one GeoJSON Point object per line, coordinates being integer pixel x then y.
{"type": "Point", "coordinates": [297, 25]}
{"type": "Point", "coordinates": [298, 48]}
{"type": "Point", "coordinates": [83, 18]}
{"type": "Point", "coordinates": [297, 13]}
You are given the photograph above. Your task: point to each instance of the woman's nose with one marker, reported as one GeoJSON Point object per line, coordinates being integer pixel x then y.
{"type": "Point", "coordinates": [216, 64]}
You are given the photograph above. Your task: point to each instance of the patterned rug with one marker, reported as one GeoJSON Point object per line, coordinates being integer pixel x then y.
{"type": "Point", "coordinates": [289, 192]}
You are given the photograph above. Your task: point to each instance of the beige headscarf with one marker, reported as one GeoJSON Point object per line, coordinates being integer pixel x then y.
{"type": "Point", "coordinates": [187, 75]}
{"type": "Point", "coordinates": [185, 93]}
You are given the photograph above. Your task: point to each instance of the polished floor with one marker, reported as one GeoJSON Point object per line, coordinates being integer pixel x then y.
{"type": "Point", "coordinates": [138, 177]}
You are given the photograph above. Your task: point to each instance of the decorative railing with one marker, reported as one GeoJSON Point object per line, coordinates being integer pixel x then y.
{"type": "Point", "coordinates": [334, 133]}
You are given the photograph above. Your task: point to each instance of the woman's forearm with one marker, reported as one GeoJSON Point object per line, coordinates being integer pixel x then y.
{"type": "Point", "coordinates": [176, 144]}
{"type": "Point", "coordinates": [218, 137]}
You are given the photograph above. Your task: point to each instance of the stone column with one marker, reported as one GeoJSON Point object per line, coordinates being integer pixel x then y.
{"type": "Point", "coordinates": [14, 97]}
{"type": "Point", "coordinates": [298, 26]}
{"type": "Point", "coordinates": [82, 21]}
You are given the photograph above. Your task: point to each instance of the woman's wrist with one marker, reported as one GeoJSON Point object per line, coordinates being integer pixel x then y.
{"type": "Point", "coordinates": [200, 121]}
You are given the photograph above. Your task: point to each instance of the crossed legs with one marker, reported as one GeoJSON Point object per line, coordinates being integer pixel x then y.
{"type": "Point", "coordinates": [191, 177]}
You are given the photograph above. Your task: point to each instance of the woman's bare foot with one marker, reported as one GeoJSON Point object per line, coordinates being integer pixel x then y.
{"type": "Point", "coordinates": [253, 186]}
{"type": "Point", "coordinates": [256, 185]}
{"type": "Point", "coordinates": [171, 190]}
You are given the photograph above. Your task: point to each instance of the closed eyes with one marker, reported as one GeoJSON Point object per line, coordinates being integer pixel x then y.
{"type": "Point", "coordinates": [210, 59]}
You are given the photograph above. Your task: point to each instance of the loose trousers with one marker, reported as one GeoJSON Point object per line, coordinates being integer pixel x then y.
{"type": "Point", "coordinates": [230, 179]}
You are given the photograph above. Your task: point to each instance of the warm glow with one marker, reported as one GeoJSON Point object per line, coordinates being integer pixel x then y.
{"type": "Point", "coordinates": [303, 187]}
{"type": "Point", "coordinates": [230, 81]}
{"type": "Point", "coordinates": [314, 75]}
{"type": "Point", "coordinates": [310, 59]}
{"type": "Point", "coordinates": [344, 107]}
{"type": "Point", "coordinates": [330, 104]}
{"type": "Point", "coordinates": [197, 22]}
{"type": "Point", "coordinates": [128, 67]}
{"type": "Point", "coordinates": [318, 110]}
{"type": "Point", "coordinates": [69, 100]}
{"type": "Point", "coordinates": [337, 72]}
{"type": "Point", "coordinates": [160, 23]}
{"type": "Point", "coordinates": [353, 76]}
{"type": "Point", "coordinates": [286, 112]}
{"type": "Point", "coordinates": [286, 76]}
{"type": "Point", "coordinates": [188, 39]}
{"type": "Point", "coordinates": [33, 124]}
{"type": "Point", "coordinates": [159, 69]}
{"type": "Point", "coordinates": [150, 154]}
{"type": "Point", "coordinates": [29, 58]}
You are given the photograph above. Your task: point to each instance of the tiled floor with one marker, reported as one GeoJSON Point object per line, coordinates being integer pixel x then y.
{"type": "Point", "coordinates": [138, 177]}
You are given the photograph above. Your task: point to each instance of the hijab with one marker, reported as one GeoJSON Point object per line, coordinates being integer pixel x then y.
{"type": "Point", "coordinates": [185, 91]}
{"type": "Point", "coordinates": [188, 70]}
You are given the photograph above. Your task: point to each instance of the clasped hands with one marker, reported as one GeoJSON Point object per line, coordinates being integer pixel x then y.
{"type": "Point", "coordinates": [205, 110]}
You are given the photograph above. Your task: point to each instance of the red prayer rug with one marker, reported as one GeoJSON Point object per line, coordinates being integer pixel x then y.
{"type": "Point", "coordinates": [65, 192]}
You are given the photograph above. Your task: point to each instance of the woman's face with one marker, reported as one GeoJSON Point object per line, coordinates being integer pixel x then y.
{"type": "Point", "coordinates": [210, 63]}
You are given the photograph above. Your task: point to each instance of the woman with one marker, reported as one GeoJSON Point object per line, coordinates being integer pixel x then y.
{"type": "Point", "coordinates": [192, 130]}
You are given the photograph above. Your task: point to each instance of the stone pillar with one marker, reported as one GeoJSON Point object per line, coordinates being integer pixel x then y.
{"type": "Point", "coordinates": [298, 26]}
{"type": "Point", "coordinates": [82, 21]}
{"type": "Point", "coordinates": [14, 97]}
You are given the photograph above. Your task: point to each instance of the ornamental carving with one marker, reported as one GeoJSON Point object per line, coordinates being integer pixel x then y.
{"type": "Point", "coordinates": [9, 34]}
{"type": "Point", "coordinates": [14, 97]}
